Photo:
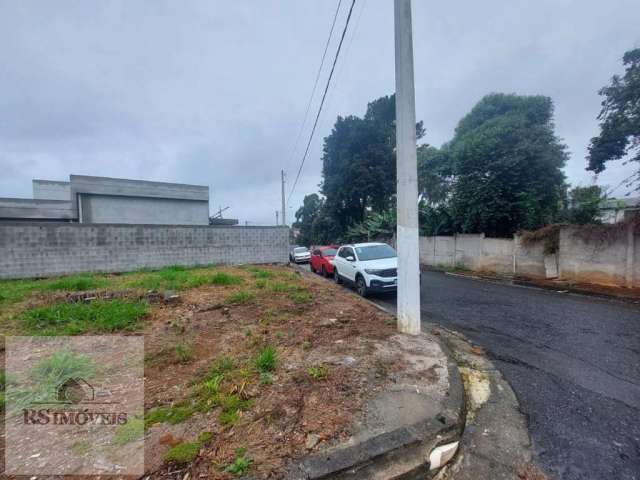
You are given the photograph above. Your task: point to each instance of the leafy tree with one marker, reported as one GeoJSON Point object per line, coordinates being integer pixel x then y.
{"type": "Point", "coordinates": [434, 174]}
{"type": "Point", "coordinates": [305, 217]}
{"type": "Point", "coordinates": [359, 170]}
{"type": "Point", "coordinates": [584, 205]}
{"type": "Point", "coordinates": [506, 164]}
{"type": "Point", "coordinates": [619, 118]}
{"type": "Point", "coordinates": [377, 225]}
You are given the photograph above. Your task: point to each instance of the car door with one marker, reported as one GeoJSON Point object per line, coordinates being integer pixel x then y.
{"type": "Point", "coordinates": [316, 259]}
{"type": "Point", "coordinates": [349, 269]}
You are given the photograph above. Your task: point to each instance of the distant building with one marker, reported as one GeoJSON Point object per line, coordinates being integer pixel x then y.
{"type": "Point", "coordinates": [614, 210]}
{"type": "Point", "coordinates": [87, 199]}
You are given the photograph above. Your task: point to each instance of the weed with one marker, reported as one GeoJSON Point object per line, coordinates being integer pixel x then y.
{"type": "Point", "coordinates": [212, 385]}
{"type": "Point", "coordinates": [221, 365]}
{"type": "Point", "coordinates": [100, 316]}
{"type": "Point", "coordinates": [261, 283]}
{"type": "Point", "coordinates": [266, 378]}
{"type": "Point", "coordinates": [77, 283]}
{"type": "Point", "coordinates": [301, 297]}
{"type": "Point", "coordinates": [81, 447]}
{"type": "Point", "coordinates": [267, 359]}
{"type": "Point", "coordinates": [204, 437]}
{"type": "Point", "coordinates": [240, 297]}
{"type": "Point", "coordinates": [184, 352]}
{"type": "Point", "coordinates": [130, 431]}
{"type": "Point", "coordinates": [240, 464]}
{"type": "Point", "coordinates": [306, 345]}
{"type": "Point", "coordinates": [12, 291]}
{"type": "Point", "coordinates": [229, 418]}
{"type": "Point", "coordinates": [232, 405]}
{"type": "Point", "coordinates": [318, 372]}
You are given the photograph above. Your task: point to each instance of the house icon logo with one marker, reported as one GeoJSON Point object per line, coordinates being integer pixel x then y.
{"type": "Point", "coordinates": [75, 390]}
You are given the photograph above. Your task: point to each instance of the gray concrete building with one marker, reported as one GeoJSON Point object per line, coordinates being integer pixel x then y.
{"type": "Point", "coordinates": [89, 199]}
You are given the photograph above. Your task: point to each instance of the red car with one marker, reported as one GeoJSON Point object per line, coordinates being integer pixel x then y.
{"type": "Point", "coordinates": [321, 259]}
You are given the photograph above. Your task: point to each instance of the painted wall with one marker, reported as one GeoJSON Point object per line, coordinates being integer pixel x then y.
{"type": "Point", "coordinates": [141, 210]}
{"type": "Point", "coordinates": [614, 262]}
{"type": "Point", "coordinates": [42, 249]}
{"type": "Point", "coordinates": [51, 190]}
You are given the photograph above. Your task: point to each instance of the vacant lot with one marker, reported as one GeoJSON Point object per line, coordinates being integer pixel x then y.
{"type": "Point", "coordinates": [245, 368]}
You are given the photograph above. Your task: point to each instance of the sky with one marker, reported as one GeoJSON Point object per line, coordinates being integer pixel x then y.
{"type": "Point", "coordinates": [214, 93]}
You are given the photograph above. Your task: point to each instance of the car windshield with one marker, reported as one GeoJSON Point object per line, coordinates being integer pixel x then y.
{"type": "Point", "coordinates": [329, 252]}
{"type": "Point", "coordinates": [299, 250]}
{"type": "Point", "coordinates": [375, 252]}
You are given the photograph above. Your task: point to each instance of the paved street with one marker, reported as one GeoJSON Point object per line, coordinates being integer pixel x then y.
{"type": "Point", "coordinates": [573, 361]}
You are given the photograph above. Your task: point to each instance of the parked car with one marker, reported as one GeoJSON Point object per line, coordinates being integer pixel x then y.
{"type": "Point", "coordinates": [371, 267]}
{"type": "Point", "coordinates": [300, 255]}
{"type": "Point", "coordinates": [321, 258]}
{"type": "Point", "coordinates": [291, 249]}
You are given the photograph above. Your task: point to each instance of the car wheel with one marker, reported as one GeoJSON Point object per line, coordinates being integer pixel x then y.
{"type": "Point", "coordinates": [323, 272]}
{"type": "Point", "coordinates": [361, 286]}
{"type": "Point", "coordinates": [336, 276]}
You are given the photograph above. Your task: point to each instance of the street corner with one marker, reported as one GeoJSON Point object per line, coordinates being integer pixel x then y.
{"type": "Point", "coordinates": [495, 443]}
{"type": "Point", "coordinates": [408, 428]}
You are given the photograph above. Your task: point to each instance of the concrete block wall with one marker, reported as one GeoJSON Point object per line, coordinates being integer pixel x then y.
{"type": "Point", "coordinates": [600, 262]}
{"type": "Point", "coordinates": [47, 249]}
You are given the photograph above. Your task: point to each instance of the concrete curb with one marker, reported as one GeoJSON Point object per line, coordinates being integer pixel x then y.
{"type": "Point", "coordinates": [495, 443]}
{"type": "Point", "coordinates": [402, 453]}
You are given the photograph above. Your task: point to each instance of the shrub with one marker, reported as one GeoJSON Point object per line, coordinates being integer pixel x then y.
{"type": "Point", "coordinates": [318, 372]}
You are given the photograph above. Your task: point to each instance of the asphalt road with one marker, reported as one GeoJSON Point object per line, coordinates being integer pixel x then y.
{"type": "Point", "coordinates": [573, 361]}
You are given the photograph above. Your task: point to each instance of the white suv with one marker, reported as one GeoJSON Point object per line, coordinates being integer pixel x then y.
{"type": "Point", "coordinates": [371, 267]}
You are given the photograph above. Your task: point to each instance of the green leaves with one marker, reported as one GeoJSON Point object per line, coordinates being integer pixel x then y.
{"type": "Point", "coordinates": [619, 118]}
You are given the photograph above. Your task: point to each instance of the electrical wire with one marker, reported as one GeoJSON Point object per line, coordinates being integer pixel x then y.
{"type": "Point", "coordinates": [324, 96]}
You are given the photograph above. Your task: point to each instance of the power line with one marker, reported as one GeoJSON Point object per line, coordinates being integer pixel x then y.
{"type": "Point", "coordinates": [324, 95]}
{"type": "Point", "coordinates": [315, 84]}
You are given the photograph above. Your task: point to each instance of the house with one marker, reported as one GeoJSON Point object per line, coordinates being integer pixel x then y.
{"type": "Point", "coordinates": [615, 210]}
{"type": "Point", "coordinates": [88, 199]}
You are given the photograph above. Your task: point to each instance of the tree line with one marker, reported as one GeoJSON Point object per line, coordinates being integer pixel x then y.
{"type": "Point", "coordinates": [500, 173]}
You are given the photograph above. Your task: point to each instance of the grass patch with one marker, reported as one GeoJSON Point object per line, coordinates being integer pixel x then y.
{"type": "Point", "coordinates": [183, 453]}
{"type": "Point", "coordinates": [168, 414]}
{"type": "Point", "coordinates": [12, 291]}
{"type": "Point", "coordinates": [181, 278]}
{"type": "Point", "coordinates": [130, 431]}
{"type": "Point", "coordinates": [188, 451]}
{"type": "Point", "coordinates": [221, 365]}
{"type": "Point", "coordinates": [100, 316]}
{"type": "Point", "coordinates": [184, 352]}
{"type": "Point", "coordinates": [301, 297]}
{"type": "Point", "coordinates": [77, 283]}
{"type": "Point", "coordinates": [240, 297]}
{"type": "Point", "coordinates": [241, 463]}
{"type": "Point", "coordinates": [267, 359]}
{"type": "Point", "coordinates": [318, 372]}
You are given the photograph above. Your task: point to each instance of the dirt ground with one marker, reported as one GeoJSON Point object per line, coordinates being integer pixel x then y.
{"type": "Point", "coordinates": [327, 366]}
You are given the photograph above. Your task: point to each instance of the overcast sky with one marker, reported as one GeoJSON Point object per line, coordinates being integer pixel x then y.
{"type": "Point", "coordinates": [214, 93]}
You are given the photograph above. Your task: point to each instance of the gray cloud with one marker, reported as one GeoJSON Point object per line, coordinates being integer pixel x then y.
{"type": "Point", "coordinates": [214, 92]}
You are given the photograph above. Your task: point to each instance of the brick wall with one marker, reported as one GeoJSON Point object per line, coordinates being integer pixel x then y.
{"type": "Point", "coordinates": [41, 249]}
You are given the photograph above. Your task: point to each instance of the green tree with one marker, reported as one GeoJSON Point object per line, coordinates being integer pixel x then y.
{"type": "Point", "coordinates": [506, 164]}
{"type": "Point", "coordinates": [584, 205]}
{"type": "Point", "coordinates": [619, 118]}
{"type": "Point", "coordinates": [305, 216]}
{"type": "Point", "coordinates": [359, 170]}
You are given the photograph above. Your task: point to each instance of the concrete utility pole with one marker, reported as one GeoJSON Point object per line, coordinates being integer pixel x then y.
{"type": "Point", "coordinates": [277, 221]}
{"type": "Point", "coordinates": [284, 217]}
{"type": "Point", "coordinates": [407, 173]}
